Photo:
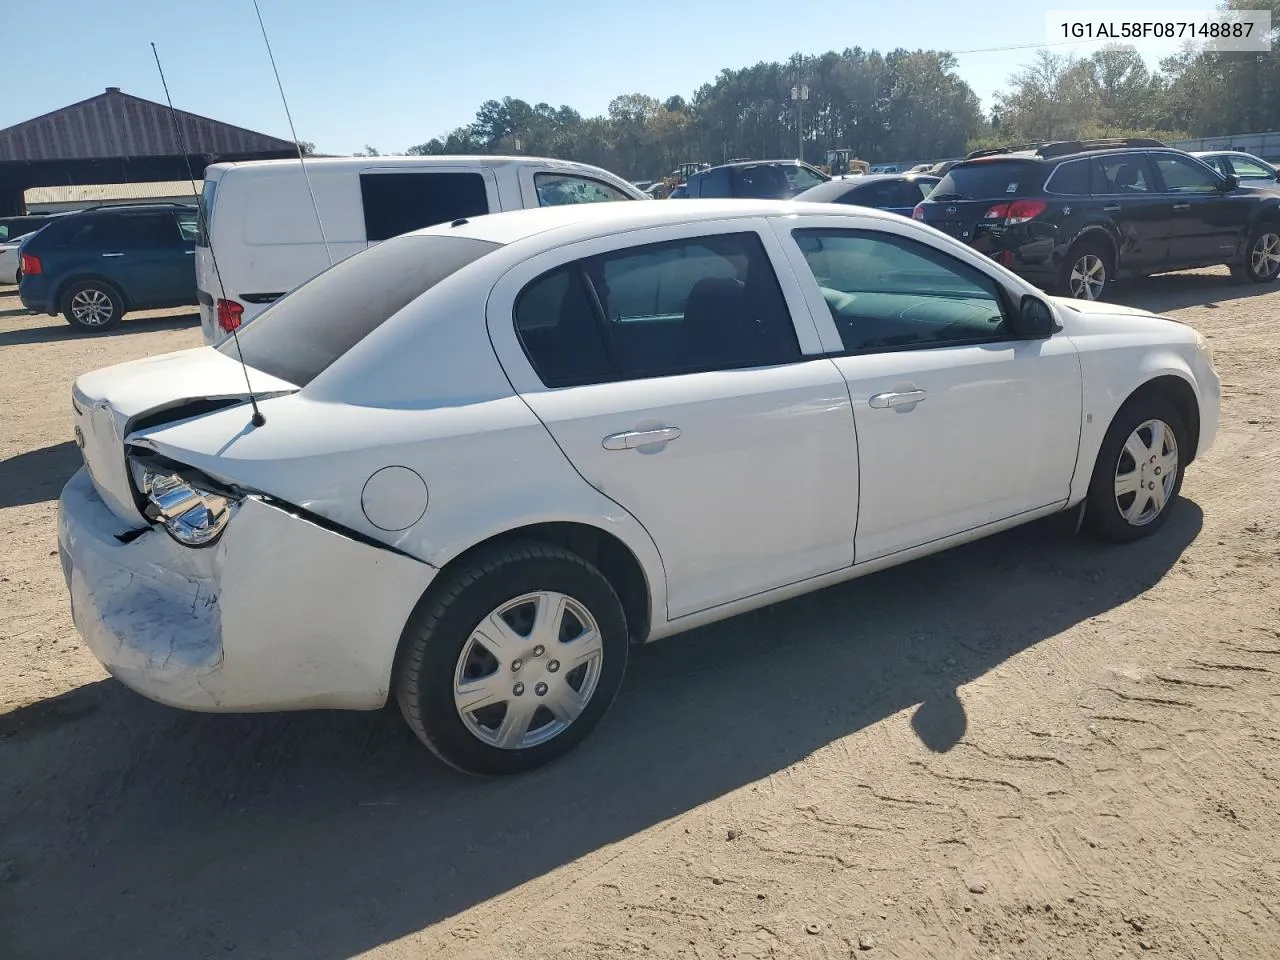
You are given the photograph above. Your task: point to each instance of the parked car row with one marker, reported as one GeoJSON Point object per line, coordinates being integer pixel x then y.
{"type": "Point", "coordinates": [697, 409]}
{"type": "Point", "coordinates": [1074, 216]}
{"type": "Point", "coordinates": [1070, 216]}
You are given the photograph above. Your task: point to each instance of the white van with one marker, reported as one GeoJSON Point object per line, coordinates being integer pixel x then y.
{"type": "Point", "coordinates": [263, 238]}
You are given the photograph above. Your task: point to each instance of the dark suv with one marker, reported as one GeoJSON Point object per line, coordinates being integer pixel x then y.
{"type": "Point", "coordinates": [95, 265]}
{"type": "Point", "coordinates": [1070, 216]}
{"type": "Point", "coordinates": [755, 180]}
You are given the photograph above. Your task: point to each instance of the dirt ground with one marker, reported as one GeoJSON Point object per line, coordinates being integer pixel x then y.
{"type": "Point", "coordinates": [1030, 747]}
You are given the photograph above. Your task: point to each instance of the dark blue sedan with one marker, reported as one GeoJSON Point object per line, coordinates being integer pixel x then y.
{"type": "Point", "coordinates": [895, 192]}
{"type": "Point", "coordinates": [95, 265]}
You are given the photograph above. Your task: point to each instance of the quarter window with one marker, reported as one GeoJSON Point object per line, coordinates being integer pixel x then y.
{"type": "Point", "coordinates": [396, 203]}
{"type": "Point", "coordinates": [558, 189]}
{"type": "Point", "coordinates": [663, 309]}
{"type": "Point", "coordinates": [1185, 176]}
{"type": "Point", "coordinates": [1071, 179]}
{"type": "Point", "coordinates": [889, 293]}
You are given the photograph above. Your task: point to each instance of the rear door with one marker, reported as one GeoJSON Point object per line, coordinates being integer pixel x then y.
{"type": "Point", "coordinates": [149, 254]}
{"type": "Point", "coordinates": [1206, 222]}
{"type": "Point", "coordinates": [1131, 199]}
{"type": "Point", "coordinates": [682, 375]}
{"type": "Point", "coordinates": [400, 200]}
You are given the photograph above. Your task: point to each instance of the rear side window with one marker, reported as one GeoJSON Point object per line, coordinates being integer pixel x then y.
{"type": "Point", "coordinates": [301, 334]}
{"type": "Point", "coordinates": [396, 203]}
{"type": "Point", "coordinates": [1071, 179]}
{"type": "Point", "coordinates": [760, 183]}
{"type": "Point", "coordinates": [147, 231]}
{"type": "Point", "coordinates": [987, 180]}
{"type": "Point", "coordinates": [1126, 173]}
{"type": "Point", "coordinates": [662, 309]}
{"type": "Point", "coordinates": [713, 183]}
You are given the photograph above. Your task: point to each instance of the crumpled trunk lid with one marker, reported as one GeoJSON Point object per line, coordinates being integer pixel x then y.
{"type": "Point", "coordinates": [110, 403]}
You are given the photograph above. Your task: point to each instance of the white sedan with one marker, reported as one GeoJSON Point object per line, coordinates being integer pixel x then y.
{"type": "Point", "coordinates": [483, 459]}
{"type": "Point", "coordinates": [9, 260]}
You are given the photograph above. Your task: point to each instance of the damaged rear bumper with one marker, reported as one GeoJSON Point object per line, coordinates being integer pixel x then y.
{"type": "Point", "coordinates": [279, 614]}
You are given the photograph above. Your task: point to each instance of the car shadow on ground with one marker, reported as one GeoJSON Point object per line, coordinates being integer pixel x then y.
{"type": "Point", "coordinates": [1176, 291]}
{"type": "Point", "coordinates": [322, 835]}
{"type": "Point", "coordinates": [58, 329]}
{"type": "Point", "coordinates": [37, 475]}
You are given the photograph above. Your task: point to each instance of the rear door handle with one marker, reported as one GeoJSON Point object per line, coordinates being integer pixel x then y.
{"type": "Point", "coordinates": [113, 254]}
{"type": "Point", "coordinates": [1111, 208]}
{"type": "Point", "coordinates": [1182, 206]}
{"type": "Point", "coordinates": [882, 401]}
{"type": "Point", "coordinates": [630, 439]}
{"type": "Point", "coordinates": [190, 252]}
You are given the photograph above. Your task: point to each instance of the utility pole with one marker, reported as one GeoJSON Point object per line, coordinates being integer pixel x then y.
{"type": "Point", "coordinates": [799, 94]}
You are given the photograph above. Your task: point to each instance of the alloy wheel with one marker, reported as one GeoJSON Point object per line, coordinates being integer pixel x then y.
{"type": "Point", "coordinates": [1088, 277]}
{"type": "Point", "coordinates": [1264, 257]}
{"type": "Point", "coordinates": [1146, 473]}
{"type": "Point", "coordinates": [528, 670]}
{"type": "Point", "coordinates": [92, 307]}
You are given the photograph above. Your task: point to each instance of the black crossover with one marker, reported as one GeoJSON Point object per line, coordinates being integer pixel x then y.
{"type": "Point", "coordinates": [1071, 216]}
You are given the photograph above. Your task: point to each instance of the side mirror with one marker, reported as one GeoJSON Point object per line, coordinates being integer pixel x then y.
{"type": "Point", "coordinates": [1035, 320]}
{"type": "Point", "coordinates": [1232, 182]}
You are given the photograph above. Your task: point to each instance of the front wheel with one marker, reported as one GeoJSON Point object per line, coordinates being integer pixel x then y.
{"type": "Point", "coordinates": [1262, 259]}
{"type": "Point", "coordinates": [513, 660]}
{"type": "Point", "coordinates": [1138, 473]}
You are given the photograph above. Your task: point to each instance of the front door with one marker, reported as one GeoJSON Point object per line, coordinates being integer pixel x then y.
{"type": "Point", "coordinates": [1206, 221]}
{"type": "Point", "coordinates": [959, 424]}
{"type": "Point", "coordinates": [672, 376]}
{"type": "Point", "coordinates": [157, 259]}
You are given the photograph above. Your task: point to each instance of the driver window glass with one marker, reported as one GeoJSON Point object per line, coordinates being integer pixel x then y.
{"type": "Point", "coordinates": [889, 293]}
{"type": "Point", "coordinates": [1248, 170]}
{"type": "Point", "coordinates": [1184, 176]}
{"type": "Point", "coordinates": [559, 189]}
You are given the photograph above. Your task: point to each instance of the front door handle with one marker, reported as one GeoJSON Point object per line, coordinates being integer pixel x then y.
{"type": "Point", "coordinates": [882, 401]}
{"type": "Point", "coordinates": [1182, 206]}
{"type": "Point", "coordinates": [1111, 208]}
{"type": "Point", "coordinates": [630, 439]}
{"type": "Point", "coordinates": [113, 254]}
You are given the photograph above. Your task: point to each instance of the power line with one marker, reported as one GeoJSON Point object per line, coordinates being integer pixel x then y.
{"type": "Point", "coordinates": [1021, 46]}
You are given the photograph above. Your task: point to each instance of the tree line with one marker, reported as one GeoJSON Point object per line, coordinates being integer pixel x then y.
{"type": "Point", "coordinates": [892, 106]}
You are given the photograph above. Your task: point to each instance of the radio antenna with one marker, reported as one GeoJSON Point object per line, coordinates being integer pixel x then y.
{"type": "Point", "coordinates": [294, 133]}
{"type": "Point", "coordinates": [202, 225]}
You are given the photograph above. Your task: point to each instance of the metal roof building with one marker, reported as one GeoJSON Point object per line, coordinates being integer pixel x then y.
{"type": "Point", "coordinates": [118, 138]}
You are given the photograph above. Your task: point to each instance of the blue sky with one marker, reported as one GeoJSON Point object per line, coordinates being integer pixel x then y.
{"type": "Point", "coordinates": [393, 73]}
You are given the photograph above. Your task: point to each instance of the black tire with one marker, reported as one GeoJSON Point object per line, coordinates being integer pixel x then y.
{"type": "Point", "coordinates": [86, 303]}
{"type": "Point", "coordinates": [1262, 254]}
{"type": "Point", "coordinates": [1078, 260]}
{"type": "Point", "coordinates": [439, 631]}
{"type": "Point", "coordinates": [1103, 517]}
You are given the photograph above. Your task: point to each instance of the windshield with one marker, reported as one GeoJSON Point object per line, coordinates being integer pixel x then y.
{"type": "Point", "coordinates": [986, 180]}
{"type": "Point", "coordinates": [301, 334]}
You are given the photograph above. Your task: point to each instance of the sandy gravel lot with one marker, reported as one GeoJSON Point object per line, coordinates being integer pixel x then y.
{"type": "Point", "coordinates": [1029, 747]}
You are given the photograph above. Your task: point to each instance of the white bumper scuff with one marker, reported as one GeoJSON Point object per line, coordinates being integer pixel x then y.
{"type": "Point", "coordinates": [278, 614]}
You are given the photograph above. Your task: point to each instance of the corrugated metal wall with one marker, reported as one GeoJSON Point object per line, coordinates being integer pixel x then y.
{"type": "Point", "coordinates": [115, 124]}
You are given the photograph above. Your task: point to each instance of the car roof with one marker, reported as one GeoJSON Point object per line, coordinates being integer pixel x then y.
{"type": "Point", "coordinates": [752, 163]}
{"type": "Point", "coordinates": [362, 163]}
{"type": "Point", "coordinates": [824, 192]}
{"type": "Point", "coordinates": [584, 221]}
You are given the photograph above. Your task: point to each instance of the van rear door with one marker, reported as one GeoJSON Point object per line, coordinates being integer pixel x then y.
{"type": "Point", "coordinates": [400, 200]}
{"type": "Point", "coordinates": [206, 279]}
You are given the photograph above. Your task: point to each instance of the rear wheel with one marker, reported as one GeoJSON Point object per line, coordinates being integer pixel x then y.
{"type": "Point", "coordinates": [513, 660]}
{"type": "Point", "coordinates": [1085, 271]}
{"type": "Point", "coordinates": [1138, 473]}
{"type": "Point", "coordinates": [92, 306]}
